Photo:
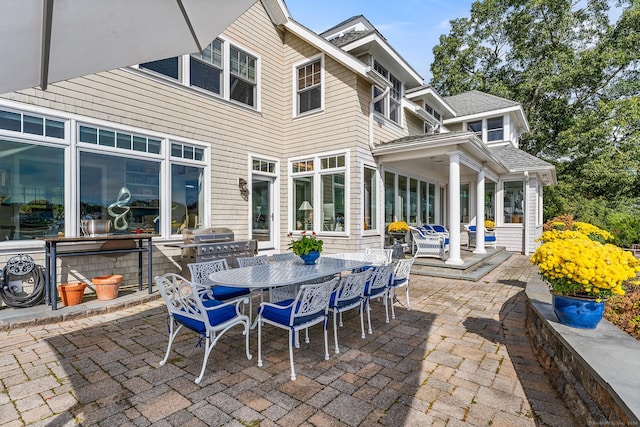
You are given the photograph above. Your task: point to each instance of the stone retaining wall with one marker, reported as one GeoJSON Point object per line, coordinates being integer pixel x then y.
{"type": "Point", "coordinates": [596, 371]}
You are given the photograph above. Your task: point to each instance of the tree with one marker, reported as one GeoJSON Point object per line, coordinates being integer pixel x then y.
{"type": "Point", "coordinates": [576, 74]}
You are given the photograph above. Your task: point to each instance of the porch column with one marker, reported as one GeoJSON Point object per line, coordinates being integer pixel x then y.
{"type": "Point", "coordinates": [454, 209]}
{"type": "Point", "coordinates": [480, 213]}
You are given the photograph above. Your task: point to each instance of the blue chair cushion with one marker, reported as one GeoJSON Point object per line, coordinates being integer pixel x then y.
{"type": "Point", "coordinates": [375, 292]}
{"type": "Point", "coordinates": [215, 316]}
{"type": "Point", "coordinates": [398, 282]}
{"type": "Point", "coordinates": [489, 238]}
{"type": "Point", "coordinates": [282, 313]}
{"type": "Point", "coordinates": [223, 293]}
{"type": "Point", "coordinates": [345, 303]}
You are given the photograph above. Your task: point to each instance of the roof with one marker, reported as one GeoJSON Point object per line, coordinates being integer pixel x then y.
{"type": "Point", "coordinates": [475, 102]}
{"type": "Point", "coordinates": [347, 38]}
{"type": "Point", "coordinates": [517, 160]}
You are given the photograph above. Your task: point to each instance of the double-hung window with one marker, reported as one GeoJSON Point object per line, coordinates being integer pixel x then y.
{"type": "Point", "coordinates": [389, 106]}
{"type": "Point", "coordinates": [205, 69]}
{"type": "Point", "coordinates": [319, 193]}
{"type": "Point", "coordinates": [243, 83]}
{"type": "Point", "coordinates": [309, 87]}
{"type": "Point", "coordinates": [221, 68]}
{"type": "Point", "coordinates": [495, 129]}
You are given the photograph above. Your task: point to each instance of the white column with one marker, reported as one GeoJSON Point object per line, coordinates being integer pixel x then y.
{"type": "Point", "coordinates": [454, 209]}
{"type": "Point", "coordinates": [480, 213]}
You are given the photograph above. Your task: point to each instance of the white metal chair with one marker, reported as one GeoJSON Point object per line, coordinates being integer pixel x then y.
{"type": "Point", "coordinates": [310, 307]}
{"type": "Point", "coordinates": [348, 295]}
{"type": "Point", "coordinates": [200, 272]}
{"type": "Point", "coordinates": [401, 272]}
{"type": "Point", "coordinates": [208, 318]}
{"type": "Point", "coordinates": [377, 287]}
{"type": "Point", "coordinates": [386, 253]}
{"type": "Point", "coordinates": [285, 256]}
{"type": "Point", "coordinates": [253, 260]}
{"type": "Point", "coordinates": [429, 245]}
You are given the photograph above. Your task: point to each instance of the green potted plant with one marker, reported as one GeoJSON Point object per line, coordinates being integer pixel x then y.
{"type": "Point", "coordinates": [307, 247]}
{"type": "Point", "coordinates": [582, 272]}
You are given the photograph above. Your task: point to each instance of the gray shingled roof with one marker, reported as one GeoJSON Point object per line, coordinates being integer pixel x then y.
{"type": "Point", "coordinates": [474, 102]}
{"type": "Point", "coordinates": [517, 160]}
{"type": "Point", "coordinates": [352, 36]}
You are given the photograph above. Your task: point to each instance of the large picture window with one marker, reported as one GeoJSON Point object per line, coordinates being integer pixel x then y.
{"type": "Point", "coordinates": [31, 191]}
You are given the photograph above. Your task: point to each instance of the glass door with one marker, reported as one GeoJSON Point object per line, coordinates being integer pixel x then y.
{"type": "Point", "coordinates": [262, 211]}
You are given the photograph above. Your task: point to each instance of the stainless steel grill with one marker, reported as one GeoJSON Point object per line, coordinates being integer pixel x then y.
{"type": "Point", "coordinates": [206, 244]}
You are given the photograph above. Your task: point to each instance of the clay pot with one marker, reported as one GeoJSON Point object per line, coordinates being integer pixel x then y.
{"type": "Point", "coordinates": [107, 286]}
{"type": "Point", "coordinates": [72, 293]}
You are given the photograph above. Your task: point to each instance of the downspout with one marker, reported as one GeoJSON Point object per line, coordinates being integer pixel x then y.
{"type": "Point", "coordinates": [525, 217]}
{"type": "Point", "coordinates": [378, 165]}
{"type": "Point", "coordinates": [371, 110]}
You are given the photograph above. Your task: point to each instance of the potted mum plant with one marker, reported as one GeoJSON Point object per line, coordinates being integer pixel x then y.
{"type": "Point", "coordinates": [307, 247]}
{"type": "Point", "coordinates": [582, 272]}
{"type": "Point", "coordinates": [398, 230]}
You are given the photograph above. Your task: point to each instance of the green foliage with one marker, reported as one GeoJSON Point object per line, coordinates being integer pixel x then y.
{"type": "Point", "coordinates": [306, 243]}
{"type": "Point", "coordinates": [625, 226]}
{"type": "Point", "coordinates": [577, 75]}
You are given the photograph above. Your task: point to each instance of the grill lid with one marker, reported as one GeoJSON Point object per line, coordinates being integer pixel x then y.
{"type": "Point", "coordinates": [207, 235]}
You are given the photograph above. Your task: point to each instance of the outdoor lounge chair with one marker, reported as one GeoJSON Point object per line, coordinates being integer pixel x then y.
{"type": "Point", "coordinates": [429, 245]}
{"type": "Point", "coordinates": [401, 272]}
{"type": "Point", "coordinates": [489, 236]}
{"type": "Point", "coordinates": [189, 305]}
{"type": "Point", "coordinates": [310, 307]}
{"type": "Point", "coordinates": [349, 294]}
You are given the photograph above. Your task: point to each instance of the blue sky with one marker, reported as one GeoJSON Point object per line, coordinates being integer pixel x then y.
{"type": "Point", "coordinates": [412, 27]}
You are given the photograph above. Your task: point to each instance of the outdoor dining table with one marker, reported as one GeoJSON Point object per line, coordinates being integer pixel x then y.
{"type": "Point", "coordinates": [284, 273]}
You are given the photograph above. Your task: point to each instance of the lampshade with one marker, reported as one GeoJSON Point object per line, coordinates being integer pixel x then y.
{"type": "Point", "coordinates": [305, 206]}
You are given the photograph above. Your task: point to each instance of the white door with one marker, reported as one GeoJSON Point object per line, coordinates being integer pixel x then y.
{"type": "Point", "coordinates": [262, 218]}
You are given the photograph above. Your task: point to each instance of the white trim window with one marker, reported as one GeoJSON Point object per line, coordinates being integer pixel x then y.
{"type": "Point", "coordinates": [389, 107]}
{"type": "Point", "coordinates": [370, 198]}
{"type": "Point", "coordinates": [319, 193]}
{"type": "Point", "coordinates": [488, 130]}
{"type": "Point", "coordinates": [222, 68]}
{"type": "Point", "coordinates": [309, 86]}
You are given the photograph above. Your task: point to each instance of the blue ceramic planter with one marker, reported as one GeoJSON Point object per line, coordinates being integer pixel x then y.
{"type": "Point", "coordinates": [578, 312]}
{"type": "Point", "coordinates": [310, 258]}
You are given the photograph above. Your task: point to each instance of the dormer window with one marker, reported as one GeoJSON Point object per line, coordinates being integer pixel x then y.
{"type": "Point", "coordinates": [494, 129]}
{"type": "Point", "coordinates": [389, 106]}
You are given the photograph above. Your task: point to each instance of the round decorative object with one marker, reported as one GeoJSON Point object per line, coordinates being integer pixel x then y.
{"type": "Point", "coordinates": [107, 287]}
{"type": "Point", "coordinates": [310, 258]}
{"type": "Point", "coordinates": [577, 312]}
{"type": "Point", "coordinates": [72, 293]}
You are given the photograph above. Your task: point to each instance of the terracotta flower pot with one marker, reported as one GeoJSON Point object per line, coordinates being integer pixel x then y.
{"type": "Point", "coordinates": [72, 293]}
{"type": "Point", "coordinates": [107, 286]}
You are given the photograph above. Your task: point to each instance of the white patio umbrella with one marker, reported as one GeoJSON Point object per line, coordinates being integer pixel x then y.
{"type": "Point", "coordinates": [46, 41]}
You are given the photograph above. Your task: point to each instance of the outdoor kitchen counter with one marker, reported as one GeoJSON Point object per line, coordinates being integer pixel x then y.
{"type": "Point", "coordinates": [58, 247]}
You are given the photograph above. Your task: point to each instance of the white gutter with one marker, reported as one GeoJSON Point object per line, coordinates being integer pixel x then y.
{"type": "Point", "coordinates": [371, 112]}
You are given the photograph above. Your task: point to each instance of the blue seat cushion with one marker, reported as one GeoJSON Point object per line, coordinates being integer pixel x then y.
{"type": "Point", "coordinates": [282, 313]}
{"type": "Point", "coordinates": [489, 238]}
{"type": "Point", "coordinates": [345, 303]}
{"type": "Point", "coordinates": [223, 293]}
{"type": "Point", "coordinates": [215, 316]}
{"type": "Point", "coordinates": [374, 292]}
{"type": "Point", "coordinates": [398, 282]}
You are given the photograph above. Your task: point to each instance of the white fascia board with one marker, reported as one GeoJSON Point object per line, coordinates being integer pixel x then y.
{"type": "Point", "coordinates": [430, 91]}
{"type": "Point", "coordinates": [374, 38]}
{"type": "Point", "coordinates": [516, 108]}
{"type": "Point", "coordinates": [418, 111]}
{"type": "Point", "coordinates": [277, 11]}
{"type": "Point", "coordinates": [323, 45]}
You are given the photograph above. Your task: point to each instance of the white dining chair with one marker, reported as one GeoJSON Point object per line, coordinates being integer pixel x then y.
{"type": "Point", "coordinates": [253, 260]}
{"type": "Point", "coordinates": [377, 287]}
{"type": "Point", "coordinates": [285, 256]}
{"type": "Point", "coordinates": [348, 294]}
{"type": "Point", "coordinates": [401, 272]}
{"type": "Point", "coordinates": [200, 272]}
{"type": "Point", "coordinates": [209, 318]}
{"type": "Point", "coordinates": [310, 307]}
{"type": "Point", "coordinates": [383, 253]}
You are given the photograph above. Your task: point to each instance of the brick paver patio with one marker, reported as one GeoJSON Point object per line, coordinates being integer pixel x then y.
{"type": "Point", "coordinates": [460, 357]}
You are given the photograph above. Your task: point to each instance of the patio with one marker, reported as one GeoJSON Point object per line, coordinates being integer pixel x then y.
{"type": "Point", "coordinates": [461, 355]}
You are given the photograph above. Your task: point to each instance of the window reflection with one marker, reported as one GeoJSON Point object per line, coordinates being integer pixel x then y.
{"type": "Point", "coordinates": [31, 191]}
{"type": "Point", "coordinates": [187, 207]}
{"type": "Point", "coordinates": [102, 181]}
